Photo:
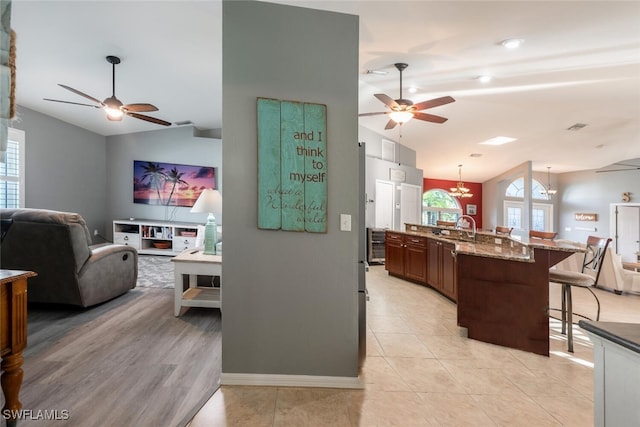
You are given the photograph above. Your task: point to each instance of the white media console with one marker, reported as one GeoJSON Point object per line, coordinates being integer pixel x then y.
{"type": "Point", "coordinates": [155, 237]}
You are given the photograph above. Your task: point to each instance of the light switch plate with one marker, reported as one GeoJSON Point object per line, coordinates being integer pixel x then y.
{"type": "Point", "coordinates": [345, 222]}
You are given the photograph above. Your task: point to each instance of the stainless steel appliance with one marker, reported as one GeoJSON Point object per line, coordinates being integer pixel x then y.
{"type": "Point", "coordinates": [363, 295]}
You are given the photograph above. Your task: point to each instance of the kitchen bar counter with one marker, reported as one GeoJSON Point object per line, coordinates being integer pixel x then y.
{"type": "Point", "coordinates": [489, 244]}
{"type": "Point", "coordinates": [502, 285]}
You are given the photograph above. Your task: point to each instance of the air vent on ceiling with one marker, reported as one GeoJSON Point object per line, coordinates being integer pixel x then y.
{"type": "Point", "coordinates": [577, 126]}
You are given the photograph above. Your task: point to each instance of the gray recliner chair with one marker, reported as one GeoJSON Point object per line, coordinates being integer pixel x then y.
{"type": "Point", "coordinates": [57, 246]}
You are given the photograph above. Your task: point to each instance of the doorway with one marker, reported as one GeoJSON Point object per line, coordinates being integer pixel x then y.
{"type": "Point", "coordinates": [625, 228]}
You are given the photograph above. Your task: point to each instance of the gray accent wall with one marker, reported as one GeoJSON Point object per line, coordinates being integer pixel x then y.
{"type": "Point", "coordinates": [289, 298]}
{"type": "Point", "coordinates": [591, 192]}
{"type": "Point", "coordinates": [74, 170]}
{"type": "Point", "coordinates": [171, 145]}
{"type": "Point", "coordinates": [65, 167]}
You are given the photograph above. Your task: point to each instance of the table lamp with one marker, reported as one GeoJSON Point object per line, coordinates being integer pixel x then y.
{"type": "Point", "coordinates": [209, 201]}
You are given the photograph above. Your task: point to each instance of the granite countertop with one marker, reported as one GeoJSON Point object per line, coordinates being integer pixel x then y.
{"type": "Point", "coordinates": [625, 334]}
{"type": "Point", "coordinates": [489, 244]}
{"type": "Point", "coordinates": [517, 253]}
{"type": "Point", "coordinates": [464, 245]}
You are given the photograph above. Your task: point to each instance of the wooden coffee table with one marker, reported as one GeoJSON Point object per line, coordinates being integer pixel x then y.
{"type": "Point", "coordinates": [194, 263]}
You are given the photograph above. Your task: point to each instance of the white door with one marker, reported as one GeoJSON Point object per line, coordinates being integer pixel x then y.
{"type": "Point", "coordinates": [384, 204]}
{"type": "Point", "coordinates": [410, 204]}
{"type": "Point", "coordinates": [627, 231]}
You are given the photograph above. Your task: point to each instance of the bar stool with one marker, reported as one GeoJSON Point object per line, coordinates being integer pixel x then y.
{"type": "Point", "coordinates": [587, 278]}
{"type": "Point", "coordinates": [545, 235]}
{"type": "Point", "coordinates": [445, 223]}
{"type": "Point", "coordinates": [504, 230]}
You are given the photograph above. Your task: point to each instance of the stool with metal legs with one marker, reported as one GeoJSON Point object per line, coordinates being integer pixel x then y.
{"type": "Point", "coordinates": [587, 278]}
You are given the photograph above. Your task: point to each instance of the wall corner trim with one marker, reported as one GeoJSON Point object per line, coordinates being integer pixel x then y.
{"type": "Point", "coordinates": [277, 380]}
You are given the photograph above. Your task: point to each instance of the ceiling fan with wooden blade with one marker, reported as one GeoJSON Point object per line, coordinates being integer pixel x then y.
{"type": "Point", "coordinates": [113, 107]}
{"type": "Point", "coordinates": [402, 110]}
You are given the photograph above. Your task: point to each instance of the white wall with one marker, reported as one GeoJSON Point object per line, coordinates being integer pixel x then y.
{"type": "Point", "coordinates": [378, 169]}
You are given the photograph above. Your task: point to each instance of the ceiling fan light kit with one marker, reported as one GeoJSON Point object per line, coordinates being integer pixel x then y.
{"type": "Point", "coordinates": [114, 109]}
{"type": "Point", "coordinates": [401, 116]}
{"type": "Point", "coordinates": [112, 106]}
{"type": "Point", "coordinates": [402, 110]}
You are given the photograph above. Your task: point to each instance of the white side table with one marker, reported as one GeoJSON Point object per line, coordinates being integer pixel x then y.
{"type": "Point", "coordinates": [194, 263]}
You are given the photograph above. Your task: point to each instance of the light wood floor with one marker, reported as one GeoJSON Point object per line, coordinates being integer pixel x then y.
{"type": "Point", "coordinates": [421, 371]}
{"type": "Point", "coordinates": [128, 362]}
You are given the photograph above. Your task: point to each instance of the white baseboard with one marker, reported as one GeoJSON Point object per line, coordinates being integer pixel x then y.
{"type": "Point", "coordinates": [274, 380]}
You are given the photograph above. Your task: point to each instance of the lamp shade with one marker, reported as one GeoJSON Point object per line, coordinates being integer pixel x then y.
{"type": "Point", "coordinates": [209, 201]}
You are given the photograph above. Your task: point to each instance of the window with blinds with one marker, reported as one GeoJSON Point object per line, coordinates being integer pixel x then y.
{"type": "Point", "coordinates": [11, 172]}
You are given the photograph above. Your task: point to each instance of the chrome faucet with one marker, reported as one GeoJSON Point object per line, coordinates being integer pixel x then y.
{"type": "Point", "coordinates": [471, 234]}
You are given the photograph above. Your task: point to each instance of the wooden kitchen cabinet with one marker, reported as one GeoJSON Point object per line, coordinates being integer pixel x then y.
{"type": "Point", "coordinates": [394, 253]}
{"type": "Point", "coordinates": [441, 267]}
{"type": "Point", "coordinates": [449, 271]}
{"type": "Point", "coordinates": [406, 256]}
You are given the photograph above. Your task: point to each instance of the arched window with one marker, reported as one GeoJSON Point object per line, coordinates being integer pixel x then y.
{"type": "Point", "coordinates": [437, 204]}
{"type": "Point", "coordinates": [541, 211]}
{"type": "Point", "coordinates": [516, 190]}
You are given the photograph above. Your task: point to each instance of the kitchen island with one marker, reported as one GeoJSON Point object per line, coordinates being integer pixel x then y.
{"type": "Point", "coordinates": [500, 284]}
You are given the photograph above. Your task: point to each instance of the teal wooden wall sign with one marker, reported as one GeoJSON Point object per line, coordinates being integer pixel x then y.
{"type": "Point", "coordinates": [292, 166]}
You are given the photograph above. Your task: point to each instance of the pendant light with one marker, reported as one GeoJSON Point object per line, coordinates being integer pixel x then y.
{"type": "Point", "coordinates": [548, 191]}
{"type": "Point", "coordinates": [460, 190]}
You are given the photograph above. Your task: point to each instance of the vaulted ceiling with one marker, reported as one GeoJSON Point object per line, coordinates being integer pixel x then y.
{"type": "Point", "coordinates": [579, 63]}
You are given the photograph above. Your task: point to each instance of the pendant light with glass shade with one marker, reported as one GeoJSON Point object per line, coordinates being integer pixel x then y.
{"type": "Point", "coordinates": [460, 190]}
{"type": "Point", "coordinates": [548, 191]}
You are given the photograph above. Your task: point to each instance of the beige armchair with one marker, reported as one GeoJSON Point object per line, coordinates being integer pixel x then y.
{"type": "Point", "coordinates": [624, 280]}
{"type": "Point", "coordinates": [612, 276]}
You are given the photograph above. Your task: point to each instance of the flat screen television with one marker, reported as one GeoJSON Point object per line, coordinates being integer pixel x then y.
{"type": "Point", "coordinates": [169, 184]}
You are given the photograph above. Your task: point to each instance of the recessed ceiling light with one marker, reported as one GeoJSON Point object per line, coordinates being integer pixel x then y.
{"type": "Point", "coordinates": [484, 78]}
{"type": "Point", "coordinates": [498, 140]}
{"type": "Point", "coordinates": [512, 43]}
{"type": "Point", "coordinates": [413, 89]}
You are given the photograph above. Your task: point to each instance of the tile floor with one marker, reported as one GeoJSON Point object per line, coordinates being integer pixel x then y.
{"type": "Point", "coordinates": [421, 371]}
